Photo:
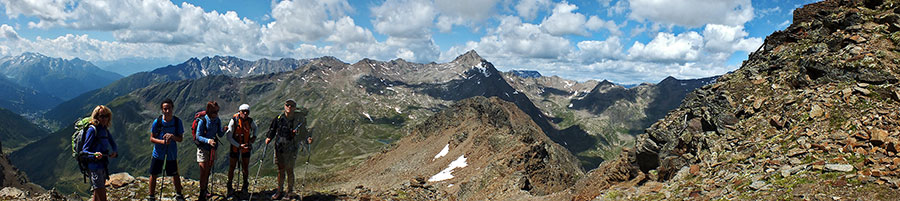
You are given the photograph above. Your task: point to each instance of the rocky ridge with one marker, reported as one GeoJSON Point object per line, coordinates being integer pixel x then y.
{"type": "Point", "coordinates": [813, 114]}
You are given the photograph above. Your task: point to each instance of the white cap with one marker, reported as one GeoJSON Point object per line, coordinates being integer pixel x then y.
{"type": "Point", "coordinates": [244, 107]}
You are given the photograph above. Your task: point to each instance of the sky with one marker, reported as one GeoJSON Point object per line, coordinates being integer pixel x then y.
{"type": "Point", "coordinates": [624, 41]}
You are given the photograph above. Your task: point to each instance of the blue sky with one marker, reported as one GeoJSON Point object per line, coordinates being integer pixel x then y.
{"type": "Point", "coordinates": [625, 41]}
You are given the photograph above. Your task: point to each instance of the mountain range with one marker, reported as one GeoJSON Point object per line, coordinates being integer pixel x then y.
{"type": "Point", "coordinates": [364, 106]}
{"type": "Point", "coordinates": [61, 78]}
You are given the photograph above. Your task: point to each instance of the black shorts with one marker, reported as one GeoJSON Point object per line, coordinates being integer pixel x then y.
{"type": "Point", "coordinates": [234, 155]}
{"type": "Point", "coordinates": [156, 166]}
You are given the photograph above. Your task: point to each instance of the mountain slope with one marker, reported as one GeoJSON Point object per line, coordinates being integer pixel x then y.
{"type": "Point", "coordinates": [62, 78]}
{"type": "Point", "coordinates": [16, 131]}
{"type": "Point", "coordinates": [24, 100]}
{"type": "Point", "coordinates": [506, 155]}
{"type": "Point", "coordinates": [817, 104]}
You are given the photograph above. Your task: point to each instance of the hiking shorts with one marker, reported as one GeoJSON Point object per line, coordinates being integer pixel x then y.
{"type": "Point", "coordinates": [288, 158]}
{"type": "Point", "coordinates": [98, 178]}
{"type": "Point", "coordinates": [156, 167]}
{"type": "Point", "coordinates": [203, 155]}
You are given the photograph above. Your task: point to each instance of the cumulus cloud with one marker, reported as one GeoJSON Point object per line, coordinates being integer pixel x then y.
{"type": "Point", "coordinates": [404, 18]}
{"type": "Point", "coordinates": [668, 47]}
{"type": "Point", "coordinates": [722, 38]}
{"type": "Point", "coordinates": [564, 21]}
{"type": "Point", "coordinates": [8, 32]}
{"type": "Point", "coordinates": [304, 20]}
{"type": "Point", "coordinates": [692, 13]}
{"type": "Point", "coordinates": [525, 39]}
{"type": "Point", "coordinates": [462, 12]}
{"type": "Point", "coordinates": [528, 9]}
{"type": "Point", "coordinates": [52, 11]}
{"type": "Point", "coordinates": [595, 23]}
{"type": "Point", "coordinates": [592, 50]}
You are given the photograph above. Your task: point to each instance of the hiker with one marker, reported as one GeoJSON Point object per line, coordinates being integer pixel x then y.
{"type": "Point", "coordinates": [99, 146]}
{"type": "Point", "coordinates": [241, 132]}
{"type": "Point", "coordinates": [208, 130]}
{"type": "Point", "coordinates": [283, 131]}
{"type": "Point", "coordinates": [165, 131]}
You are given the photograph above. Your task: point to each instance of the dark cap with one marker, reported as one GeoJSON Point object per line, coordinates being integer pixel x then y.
{"type": "Point", "coordinates": [291, 101]}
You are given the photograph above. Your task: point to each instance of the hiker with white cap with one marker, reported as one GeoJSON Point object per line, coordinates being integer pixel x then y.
{"type": "Point", "coordinates": [241, 132]}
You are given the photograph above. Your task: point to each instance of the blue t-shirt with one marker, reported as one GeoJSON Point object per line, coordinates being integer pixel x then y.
{"type": "Point", "coordinates": [158, 130]}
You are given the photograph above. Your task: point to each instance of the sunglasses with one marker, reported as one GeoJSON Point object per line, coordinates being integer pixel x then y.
{"type": "Point", "coordinates": [290, 105]}
{"type": "Point", "coordinates": [245, 111]}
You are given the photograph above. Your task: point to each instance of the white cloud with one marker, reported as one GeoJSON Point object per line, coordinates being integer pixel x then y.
{"type": "Point", "coordinates": [45, 10]}
{"type": "Point", "coordinates": [528, 9]}
{"type": "Point", "coordinates": [722, 38]}
{"type": "Point", "coordinates": [592, 50]}
{"type": "Point", "coordinates": [692, 13]}
{"type": "Point", "coordinates": [564, 21]}
{"type": "Point", "coordinates": [303, 20]}
{"type": "Point", "coordinates": [404, 18]}
{"type": "Point", "coordinates": [8, 32]}
{"type": "Point", "coordinates": [346, 31]}
{"type": "Point", "coordinates": [595, 23]}
{"type": "Point", "coordinates": [667, 47]}
{"type": "Point", "coordinates": [462, 12]}
{"type": "Point", "coordinates": [525, 39]}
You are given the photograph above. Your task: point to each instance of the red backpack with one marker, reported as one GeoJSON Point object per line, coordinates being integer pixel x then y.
{"type": "Point", "coordinates": [198, 117]}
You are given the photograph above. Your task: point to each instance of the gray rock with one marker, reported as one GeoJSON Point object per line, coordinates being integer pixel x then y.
{"type": "Point", "coordinates": [12, 192]}
{"type": "Point", "coordinates": [839, 167]}
{"type": "Point", "coordinates": [862, 90]}
{"type": "Point", "coordinates": [816, 111]}
{"type": "Point", "coordinates": [757, 185]}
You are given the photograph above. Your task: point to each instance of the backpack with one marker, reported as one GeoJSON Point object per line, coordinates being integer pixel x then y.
{"type": "Point", "coordinates": [198, 118]}
{"type": "Point", "coordinates": [81, 127]}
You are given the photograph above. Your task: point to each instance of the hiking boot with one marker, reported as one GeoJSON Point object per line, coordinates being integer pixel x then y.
{"type": "Point", "coordinates": [202, 196]}
{"type": "Point", "coordinates": [277, 196]}
{"type": "Point", "coordinates": [179, 197]}
{"type": "Point", "coordinates": [244, 187]}
{"type": "Point", "coordinates": [230, 191]}
{"type": "Point", "coordinates": [151, 198]}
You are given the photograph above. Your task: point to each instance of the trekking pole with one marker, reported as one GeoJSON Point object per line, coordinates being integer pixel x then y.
{"type": "Point", "coordinates": [261, 159]}
{"type": "Point", "coordinates": [163, 178]}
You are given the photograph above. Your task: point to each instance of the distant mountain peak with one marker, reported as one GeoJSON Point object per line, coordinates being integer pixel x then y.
{"type": "Point", "coordinates": [470, 56]}
{"type": "Point", "coordinates": [526, 73]}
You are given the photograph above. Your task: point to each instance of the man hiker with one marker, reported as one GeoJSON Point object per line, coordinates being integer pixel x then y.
{"type": "Point", "coordinates": [284, 130]}
{"type": "Point", "coordinates": [99, 146]}
{"type": "Point", "coordinates": [165, 131]}
{"type": "Point", "coordinates": [241, 132]}
{"type": "Point", "coordinates": [208, 130]}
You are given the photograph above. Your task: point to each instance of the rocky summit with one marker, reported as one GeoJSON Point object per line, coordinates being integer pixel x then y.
{"type": "Point", "coordinates": [813, 114]}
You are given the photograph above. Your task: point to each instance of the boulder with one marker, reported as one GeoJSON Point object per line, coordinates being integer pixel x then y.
{"type": "Point", "coordinates": [12, 192]}
{"type": "Point", "coordinates": [119, 179]}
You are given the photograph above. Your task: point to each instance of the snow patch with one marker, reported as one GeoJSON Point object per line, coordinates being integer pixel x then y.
{"type": "Point", "coordinates": [398, 110]}
{"type": "Point", "coordinates": [480, 67]}
{"type": "Point", "coordinates": [367, 116]}
{"type": "Point", "coordinates": [446, 173]}
{"type": "Point", "coordinates": [570, 105]}
{"type": "Point", "coordinates": [443, 152]}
